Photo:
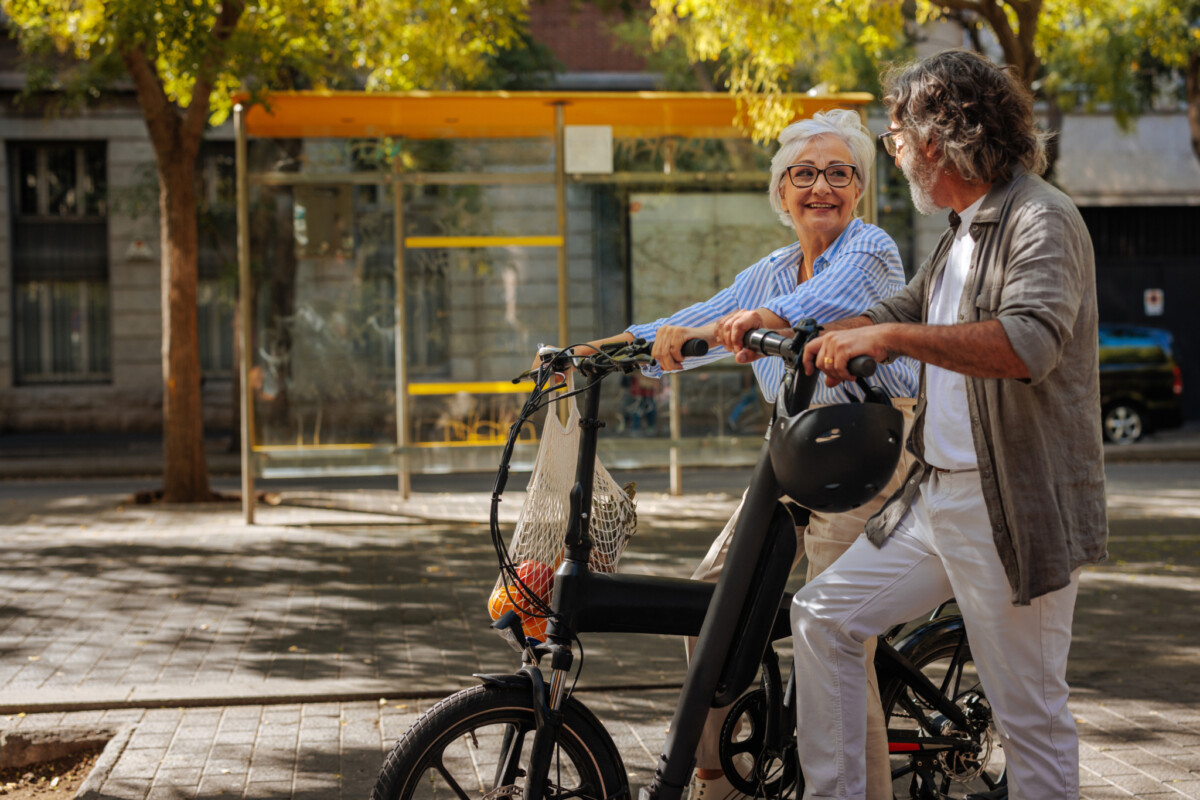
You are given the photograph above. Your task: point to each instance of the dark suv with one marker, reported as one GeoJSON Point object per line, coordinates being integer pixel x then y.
{"type": "Point", "coordinates": [1141, 388]}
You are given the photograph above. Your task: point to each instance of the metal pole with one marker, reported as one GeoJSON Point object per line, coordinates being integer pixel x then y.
{"type": "Point", "coordinates": [869, 205]}
{"type": "Point", "coordinates": [560, 205]}
{"type": "Point", "coordinates": [560, 196]}
{"type": "Point", "coordinates": [246, 313]}
{"type": "Point", "coordinates": [676, 427]}
{"type": "Point", "coordinates": [404, 483]}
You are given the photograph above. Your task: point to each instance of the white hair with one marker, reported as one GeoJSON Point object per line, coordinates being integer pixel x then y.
{"type": "Point", "coordinates": [843, 123]}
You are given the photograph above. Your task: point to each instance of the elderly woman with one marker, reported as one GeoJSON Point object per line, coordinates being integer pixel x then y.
{"type": "Point", "coordinates": [838, 267]}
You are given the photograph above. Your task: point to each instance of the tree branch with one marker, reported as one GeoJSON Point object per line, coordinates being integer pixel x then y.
{"type": "Point", "coordinates": [196, 117]}
{"type": "Point", "coordinates": [1028, 12]}
{"type": "Point", "coordinates": [162, 122]}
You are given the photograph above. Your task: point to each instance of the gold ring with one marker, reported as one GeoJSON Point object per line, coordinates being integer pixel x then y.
{"type": "Point", "coordinates": [828, 360]}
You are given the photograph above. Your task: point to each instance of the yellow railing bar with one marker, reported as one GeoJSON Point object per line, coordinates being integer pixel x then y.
{"type": "Point", "coordinates": [283, 448]}
{"type": "Point", "coordinates": [471, 387]}
{"type": "Point", "coordinates": [425, 242]}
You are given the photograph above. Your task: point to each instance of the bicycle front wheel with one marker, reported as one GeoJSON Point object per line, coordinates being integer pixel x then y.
{"type": "Point", "coordinates": [475, 744]}
{"type": "Point", "coordinates": [979, 766]}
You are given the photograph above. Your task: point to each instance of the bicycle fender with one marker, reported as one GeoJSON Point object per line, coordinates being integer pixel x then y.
{"type": "Point", "coordinates": [528, 677]}
{"type": "Point", "coordinates": [937, 627]}
{"type": "Point", "coordinates": [507, 681]}
{"type": "Point", "coordinates": [949, 625]}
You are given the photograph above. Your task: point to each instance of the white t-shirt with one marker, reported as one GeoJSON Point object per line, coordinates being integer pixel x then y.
{"type": "Point", "coordinates": [948, 441]}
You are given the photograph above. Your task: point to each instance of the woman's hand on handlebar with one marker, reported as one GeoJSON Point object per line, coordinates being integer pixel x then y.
{"type": "Point", "coordinates": [832, 351]}
{"type": "Point", "coordinates": [669, 341]}
{"type": "Point", "coordinates": [730, 330]}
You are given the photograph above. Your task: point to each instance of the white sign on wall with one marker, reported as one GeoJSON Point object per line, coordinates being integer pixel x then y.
{"type": "Point", "coordinates": [1152, 300]}
{"type": "Point", "coordinates": [588, 149]}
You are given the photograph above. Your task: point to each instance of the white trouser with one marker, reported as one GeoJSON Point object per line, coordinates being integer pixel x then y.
{"type": "Point", "coordinates": [943, 547]}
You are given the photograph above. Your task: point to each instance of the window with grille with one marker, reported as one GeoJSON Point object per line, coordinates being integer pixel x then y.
{"type": "Point", "coordinates": [59, 240]}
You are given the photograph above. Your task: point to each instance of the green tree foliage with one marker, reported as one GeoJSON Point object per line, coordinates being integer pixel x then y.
{"type": "Point", "coordinates": [186, 58]}
{"type": "Point", "coordinates": [1128, 56]}
{"type": "Point", "coordinates": [1068, 50]}
{"type": "Point", "coordinates": [764, 48]}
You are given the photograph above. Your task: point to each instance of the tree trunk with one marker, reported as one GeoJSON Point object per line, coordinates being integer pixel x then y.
{"type": "Point", "coordinates": [185, 468]}
{"type": "Point", "coordinates": [1054, 123]}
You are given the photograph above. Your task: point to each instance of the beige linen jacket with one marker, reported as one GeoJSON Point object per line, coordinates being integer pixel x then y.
{"type": "Point", "coordinates": [1037, 441]}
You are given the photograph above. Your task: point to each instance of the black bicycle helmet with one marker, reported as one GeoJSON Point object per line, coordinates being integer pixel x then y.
{"type": "Point", "coordinates": [835, 458]}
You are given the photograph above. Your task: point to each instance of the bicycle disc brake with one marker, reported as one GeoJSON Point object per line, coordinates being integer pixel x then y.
{"type": "Point", "coordinates": [752, 765]}
{"type": "Point", "coordinates": [963, 765]}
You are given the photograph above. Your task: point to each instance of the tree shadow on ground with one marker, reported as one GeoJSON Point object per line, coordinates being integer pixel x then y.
{"type": "Point", "coordinates": [172, 600]}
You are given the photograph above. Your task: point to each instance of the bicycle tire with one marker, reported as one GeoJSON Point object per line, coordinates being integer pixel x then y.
{"type": "Point", "coordinates": [454, 750]}
{"type": "Point", "coordinates": [938, 656]}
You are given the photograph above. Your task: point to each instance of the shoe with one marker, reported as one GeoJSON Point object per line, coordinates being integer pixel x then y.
{"type": "Point", "coordinates": [714, 789]}
{"type": "Point", "coordinates": [999, 793]}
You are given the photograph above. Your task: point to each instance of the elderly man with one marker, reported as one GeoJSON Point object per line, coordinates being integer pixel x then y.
{"type": "Point", "coordinates": [1006, 499]}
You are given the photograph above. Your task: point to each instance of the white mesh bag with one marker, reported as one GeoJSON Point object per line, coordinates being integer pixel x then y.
{"type": "Point", "coordinates": [542, 523]}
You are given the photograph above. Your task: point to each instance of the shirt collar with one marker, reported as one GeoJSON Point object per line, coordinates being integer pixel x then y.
{"type": "Point", "coordinates": [967, 215]}
{"type": "Point", "coordinates": [826, 258]}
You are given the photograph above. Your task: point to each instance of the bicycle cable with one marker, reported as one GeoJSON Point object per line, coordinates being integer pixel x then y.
{"type": "Point", "coordinates": [624, 356]}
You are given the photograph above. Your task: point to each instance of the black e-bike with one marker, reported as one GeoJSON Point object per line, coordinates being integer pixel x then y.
{"type": "Point", "coordinates": [521, 735]}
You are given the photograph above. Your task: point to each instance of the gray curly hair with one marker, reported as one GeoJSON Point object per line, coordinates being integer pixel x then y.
{"type": "Point", "coordinates": [980, 114]}
{"type": "Point", "coordinates": [843, 123]}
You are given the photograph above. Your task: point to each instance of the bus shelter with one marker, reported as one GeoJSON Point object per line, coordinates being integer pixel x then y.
{"type": "Point", "coordinates": [401, 257]}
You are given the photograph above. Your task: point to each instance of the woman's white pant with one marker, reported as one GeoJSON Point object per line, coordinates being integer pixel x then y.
{"type": "Point", "coordinates": [943, 547]}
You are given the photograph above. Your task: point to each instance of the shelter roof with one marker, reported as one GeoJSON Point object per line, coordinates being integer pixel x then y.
{"type": "Point", "coordinates": [455, 115]}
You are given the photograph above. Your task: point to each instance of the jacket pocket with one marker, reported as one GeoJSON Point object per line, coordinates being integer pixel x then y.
{"type": "Point", "coordinates": [987, 302]}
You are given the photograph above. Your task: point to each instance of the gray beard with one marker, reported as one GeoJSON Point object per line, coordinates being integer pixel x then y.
{"type": "Point", "coordinates": [921, 174]}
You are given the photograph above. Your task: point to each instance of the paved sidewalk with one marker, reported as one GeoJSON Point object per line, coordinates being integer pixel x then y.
{"type": "Point", "coordinates": [282, 659]}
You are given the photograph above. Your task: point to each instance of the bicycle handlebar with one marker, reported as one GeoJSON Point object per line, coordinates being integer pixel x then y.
{"type": "Point", "coordinates": [611, 357]}
{"type": "Point", "coordinates": [769, 343]}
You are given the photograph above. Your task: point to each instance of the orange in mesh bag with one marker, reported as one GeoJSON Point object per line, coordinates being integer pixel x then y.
{"type": "Point", "coordinates": [542, 523]}
{"type": "Point", "coordinates": [537, 579]}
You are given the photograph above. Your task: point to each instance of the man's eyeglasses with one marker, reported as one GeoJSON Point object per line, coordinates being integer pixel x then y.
{"type": "Point", "coordinates": [839, 176]}
{"type": "Point", "coordinates": [888, 140]}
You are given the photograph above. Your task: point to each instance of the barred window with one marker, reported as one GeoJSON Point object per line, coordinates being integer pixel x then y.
{"type": "Point", "coordinates": [60, 262]}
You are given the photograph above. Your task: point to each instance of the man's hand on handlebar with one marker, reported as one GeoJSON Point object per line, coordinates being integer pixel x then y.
{"type": "Point", "coordinates": [832, 351]}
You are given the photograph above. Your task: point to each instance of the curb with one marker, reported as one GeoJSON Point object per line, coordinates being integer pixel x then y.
{"type": "Point", "coordinates": [109, 756]}
{"type": "Point", "coordinates": [166, 698]}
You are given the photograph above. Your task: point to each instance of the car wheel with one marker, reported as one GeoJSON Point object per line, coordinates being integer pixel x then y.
{"type": "Point", "coordinates": [1122, 424]}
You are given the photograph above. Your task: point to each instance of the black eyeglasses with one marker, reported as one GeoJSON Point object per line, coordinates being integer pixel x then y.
{"type": "Point", "coordinates": [839, 176]}
{"type": "Point", "coordinates": [888, 140]}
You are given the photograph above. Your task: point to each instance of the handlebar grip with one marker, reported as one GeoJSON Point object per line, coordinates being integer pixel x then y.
{"type": "Point", "coordinates": [861, 366]}
{"type": "Point", "coordinates": [694, 347]}
{"type": "Point", "coordinates": [766, 342]}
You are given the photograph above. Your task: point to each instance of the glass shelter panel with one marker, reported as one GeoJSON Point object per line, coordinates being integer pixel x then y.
{"type": "Point", "coordinates": [479, 273]}
{"type": "Point", "coordinates": [323, 344]}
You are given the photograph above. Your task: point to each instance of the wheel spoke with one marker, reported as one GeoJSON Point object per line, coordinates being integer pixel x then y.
{"type": "Point", "coordinates": [510, 755]}
{"type": "Point", "coordinates": [440, 766]}
{"type": "Point", "coordinates": [753, 746]}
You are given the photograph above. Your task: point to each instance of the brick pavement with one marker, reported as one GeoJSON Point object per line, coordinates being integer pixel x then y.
{"type": "Point", "coordinates": [281, 660]}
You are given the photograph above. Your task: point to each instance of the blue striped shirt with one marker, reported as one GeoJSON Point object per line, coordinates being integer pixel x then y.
{"type": "Point", "coordinates": [859, 269]}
